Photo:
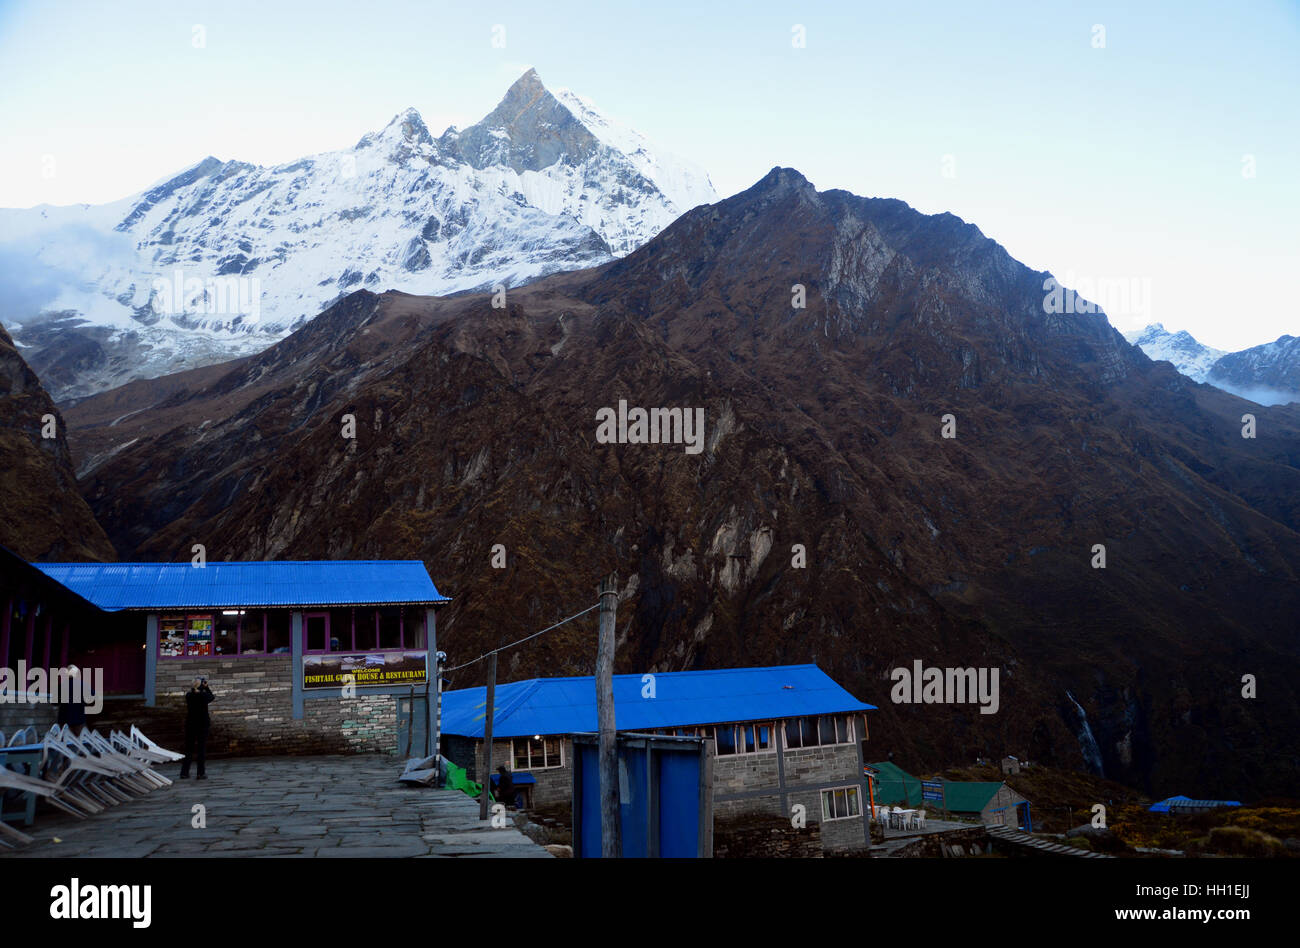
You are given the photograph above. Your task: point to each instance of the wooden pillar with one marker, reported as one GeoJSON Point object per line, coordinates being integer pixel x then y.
{"type": "Point", "coordinates": [611, 840]}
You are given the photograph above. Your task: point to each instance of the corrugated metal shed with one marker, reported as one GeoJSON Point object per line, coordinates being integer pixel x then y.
{"type": "Point", "coordinates": [681, 699]}
{"type": "Point", "coordinates": [118, 586]}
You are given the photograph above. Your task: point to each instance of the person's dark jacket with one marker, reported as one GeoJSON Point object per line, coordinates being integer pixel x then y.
{"type": "Point", "coordinates": [505, 786]}
{"type": "Point", "coordinates": [196, 706]}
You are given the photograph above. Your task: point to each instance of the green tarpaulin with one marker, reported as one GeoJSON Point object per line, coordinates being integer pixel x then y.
{"type": "Point", "coordinates": [457, 780]}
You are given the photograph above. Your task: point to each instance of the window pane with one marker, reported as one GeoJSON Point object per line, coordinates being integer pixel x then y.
{"type": "Point", "coordinates": [521, 755]}
{"type": "Point", "coordinates": [250, 633]}
{"type": "Point", "coordinates": [316, 630]}
{"type": "Point", "coordinates": [226, 641]}
{"type": "Point", "coordinates": [749, 738]}
{"type": "Point", "coordinates": [279, 631]}
{"type": "Point", "coordinates": [726, 740]}
{"type": "Point", "coordinates": [341, 630]}
{"type": "Point", "coordinates": [764, 737]}
{"type": "Point", "coordinates": [390, 630]}
{"type": "Point", "coordinates": [198, 640]}
{"type": "Point", "coordinates": [415, 623]}
{"type": "Point", "coordinates": [552, 751]}
{"type": "Point", "coordinates": [171, 637]}
{"type": "Point", "coordinates": [808, 729]}
{"type": "Point", "coordinates": [826, 729]}
{"type": "Point", "coordinates": [792, 737]}
{"type": "Point", "coordinates": [826, 804]}
{"type": "Point", "coordinates": [853, 801]}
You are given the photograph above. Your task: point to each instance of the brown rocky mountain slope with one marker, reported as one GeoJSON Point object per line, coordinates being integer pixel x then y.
{"type": "Point", "coordinates": [42, 514]}
{"type": "Point", "coordinates": [477, 426]}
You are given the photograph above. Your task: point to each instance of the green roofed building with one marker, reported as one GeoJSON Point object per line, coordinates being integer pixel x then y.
{"type": "Point", "coordinates": [991, 803]}
{"type": "Point", "coordinates": [893, 786]}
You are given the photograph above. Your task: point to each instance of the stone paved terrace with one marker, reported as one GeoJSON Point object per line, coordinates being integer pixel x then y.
{"type": "Point", "coordinates": [349, 806]}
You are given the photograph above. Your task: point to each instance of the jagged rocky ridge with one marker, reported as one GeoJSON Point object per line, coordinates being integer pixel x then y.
{"type": "Point", "coordinates": [42, 515]}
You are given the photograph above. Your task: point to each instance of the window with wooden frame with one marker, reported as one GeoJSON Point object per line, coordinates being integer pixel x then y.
{"type": "Point", "coordinates": [840, 803]}
{"type": "Point", "coordinates": [185, 636]}
{"type": "Point", "coordinates": [540, 753]}
{"type": "Point", "coordinates": [819, 731]}
{"type": "Point", "coordinates": [731, 740]}
{"type": "Point", "coordinates": [226, 632]}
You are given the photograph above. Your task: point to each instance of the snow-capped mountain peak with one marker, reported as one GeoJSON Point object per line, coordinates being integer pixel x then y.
{"type": "Point", "coordinates": [1268, 374]}
{"type": "Point", "coordinates": [226, 257]}
{"type": "Point", "coordinates": [1187, 355]}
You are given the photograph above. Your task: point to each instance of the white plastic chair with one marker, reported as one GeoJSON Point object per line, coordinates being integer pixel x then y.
{"type": "Point", "coordinates": [89, 776]}
{"type": "Point", "coordinates": [920, 819]}
{"type": "Point", "coordinates": [138, 738]}
{"type": "Point", "coordinates": [59, 792]}
{"type": "Point", "coordinates": [138, 772]}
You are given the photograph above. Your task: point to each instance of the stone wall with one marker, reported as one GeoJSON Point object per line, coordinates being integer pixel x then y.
{"type": "Point", "coordinates": [764, 837]}
{"type": "Point", "coordinates": [554, 784]}
{"type": "Point", "coordinates": [954, 844]}
{"type": "Point", "coordinates": [15, 716]}
{"type": "Point", "coordinates": [253, 710]}
{"type": "Point", "coordinates": [807, 771]}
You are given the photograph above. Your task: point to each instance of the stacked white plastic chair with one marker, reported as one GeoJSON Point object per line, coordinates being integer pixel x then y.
{"type": "Point", "coordinates": [85, 773]}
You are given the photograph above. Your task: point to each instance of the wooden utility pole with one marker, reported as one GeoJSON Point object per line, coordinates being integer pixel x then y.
{"type": "Point", "coordinates": [611, 843]}
{"type": "Point", "coordinates": [487, 736]}
{"type": "Point", "coordinates": [432, 693]}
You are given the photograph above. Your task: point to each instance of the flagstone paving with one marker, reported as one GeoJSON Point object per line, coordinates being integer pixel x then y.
{"type": "Point", "coordinates": [328, 807]}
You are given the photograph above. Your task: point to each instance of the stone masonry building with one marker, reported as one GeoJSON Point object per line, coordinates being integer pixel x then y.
{"type": "Point", "coordinates": [782, 737]}
{"type": "Point", "coordinates": [304, 657]}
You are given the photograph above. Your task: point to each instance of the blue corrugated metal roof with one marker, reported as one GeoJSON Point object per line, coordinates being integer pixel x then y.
{"type": "Point", "coordinates": [1183, 802]}
{"type": "Point", "coordinates": [116, 586]}
{"type": "Point", "coordinates": [681, 699]}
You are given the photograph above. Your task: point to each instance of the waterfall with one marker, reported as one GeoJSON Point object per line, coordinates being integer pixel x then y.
{"type": "Point", "coordinates": [1087, 743]}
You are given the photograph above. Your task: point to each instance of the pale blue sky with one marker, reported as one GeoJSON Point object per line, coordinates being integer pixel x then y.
{"type": "Point", "coordinates": [1118, 163]}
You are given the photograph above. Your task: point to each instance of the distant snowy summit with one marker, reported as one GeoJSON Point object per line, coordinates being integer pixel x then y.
{"type": "Point", "coordinates": [1187, 355]}
{"type": "Point", "coordinates": [225, 258]}
{"type": "Point", "coordinates": [1268, 374]}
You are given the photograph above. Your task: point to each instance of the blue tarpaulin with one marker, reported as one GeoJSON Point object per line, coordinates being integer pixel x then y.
{"type": "Point", "coordinates": [117, 586]}
{"type": "Point", "coordinates": [647, 702]}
